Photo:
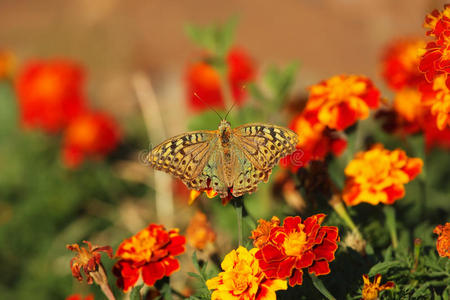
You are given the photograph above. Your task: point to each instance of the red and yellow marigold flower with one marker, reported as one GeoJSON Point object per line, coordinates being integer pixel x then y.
{"type": "Point", "coordinates": [297, 245]}
{"type": "Point", "coordinates": [199, 232]}
{"type": "Point", "coordinates": [92, 134]}
{"type": "Point", "coordinates": [88, 260]}
{"type": "Point", "coordinates": [260, 235]}
{"type": "Point", "coordinates": [409, 110]}
{"type": "Point", "coordinates": [243, 279]}
{"type": "Point", "coordinates": [316, 141]}
{"type": "Point", "coordinates": [443, 240]}
{"type": "Point", "coordinates": [400, 64]}
{"type": "Point", "coordinates": [371, 290]}
{"type": "Point", "coordinates": [436, 55]}
{"type": "Point", "coordinates": [440, 103]}
{"type": "Point", "coordinates": [149, 254]}
{"type": "Point", "coordinates": [203, 80]}
{"type": "Point", "coordinates": [342, 100]}
{"type": "Point", "coordinates": [379, 175]}
{"type": "Point", "coordinates": [50, 94]}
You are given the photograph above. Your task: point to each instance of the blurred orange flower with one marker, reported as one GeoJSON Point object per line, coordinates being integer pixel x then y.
{"type": "Point", "coordinates": [79, 297]}
{"type": "Point", "coordinates": [150, 254]}
{"type": "Point", "coordinates": [316, 141]}
{"type": "Point", "coordinates": [409, 110]}
{"type": "Point", "coordinates": [443, 240]}
{"type": "Point", "coordinates": [203, 80]}
{"type": "Point", "coordinates": [440, 104]}
{"type": "Point", "coordinates": [435, 59]}
{"type": "Point", "coordinates": [297, 245]}
{"type": "Point", "coordinates": [242, 278]}
{"type": "Point", "coordinates": [400, 63]}
{"type": "Point", "coordinates": [91, 134]}
{"type": "Point", "coordinates": [371, 290]}
{"type": "Point", "coordinates": [342, 100]}
{"type": "Point", "coordinates": [50, 94]}
{"type": "Point", "coordinates": [7, 64]}
{"type": "Point", "coordinates": [378, 175]}
{"type": "Point", "coordinates": [260, 235]}
{"type": "Point", "coordinates": [88, 260]}
{"type": "Point", "coordinates": [199, 232]}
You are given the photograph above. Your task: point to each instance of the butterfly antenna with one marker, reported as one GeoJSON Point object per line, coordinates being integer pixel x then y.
{"type": "Point", "coordinates": [229, 110]}
{"type": "Point", "coordinates": [196, 95]}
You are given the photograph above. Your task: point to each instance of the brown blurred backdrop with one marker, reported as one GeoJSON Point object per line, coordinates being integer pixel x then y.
{"type": "Point", "coordinates": [114, 39]}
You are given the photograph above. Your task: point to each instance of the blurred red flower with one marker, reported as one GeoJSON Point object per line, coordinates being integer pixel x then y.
{"type": "Point", "coordinates": [79, 297]}
{"type": "Point", "coordinates": [50, 94]}
{"type": "Point", "coordinates": [297, 245]}
{"type": "Point", "coordinates": [90, 134]}
{"type": "Point", "coordinates": [150, 254]}
{"type": "Point", "coordinates": [400, 63]}
{"type": "Point", "coordinates": [203, 80]}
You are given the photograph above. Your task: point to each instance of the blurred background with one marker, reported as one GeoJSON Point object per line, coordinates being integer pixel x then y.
{"type": "Point", "coordinates": [44, 205]}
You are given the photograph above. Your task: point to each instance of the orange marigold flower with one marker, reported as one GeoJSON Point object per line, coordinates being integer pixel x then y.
{"type": "Point", "coordinates": [203, 80]}
{"type": "Point", "coordinates": [409, 110]}
{"type": "Point", "coordinates": [342, 100]}
{"type": "Point", "coordinates": [440, 104]}
{"type": "Point", "coordinates": [316, 141]}
{"type": "Point", "coordinates": [261, 234]}
{"type": "Point", "coordinates": [79, 297]}
{"type": "Point", "coordinates": [443, 241]}
{"type": "Point", "coordinates": [7, 64]}
{"type": "Point", "coordinates": [435, 59]}
{"type": "Point", "coordinates": [242, 278]}
{"type": "Point", "coordinates": [199, 232]}
{"type": "Point", "coordinates": [297, 245]}
{"type": "Point", "coordinates": [371, 290]}
{"type": "Point", "coordinates": [88, 260]}
{"type": "Point", "coordinates": [378, 175]}
{"type": "Point", "coordinates": [50, 94]}
{"type": "Point", "coordinates": [92, 134]}
{"type": "Point", "coordinates": [400, 63]}
{"type": "Point", "coordinates": [150, 254]}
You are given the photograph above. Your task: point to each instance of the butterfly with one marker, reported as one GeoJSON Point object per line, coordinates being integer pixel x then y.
{"type": "Point", "coordinates": [225, 160]}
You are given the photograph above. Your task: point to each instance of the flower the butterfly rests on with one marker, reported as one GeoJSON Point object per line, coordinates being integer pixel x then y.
{"type": "Point", "coordinates": [225, 160]}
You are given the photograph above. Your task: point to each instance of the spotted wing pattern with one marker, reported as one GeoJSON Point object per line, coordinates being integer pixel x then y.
{"type": "Point", "coordinates": [261, 146]}
{"type": "Point", "coordinates": [185, 156]}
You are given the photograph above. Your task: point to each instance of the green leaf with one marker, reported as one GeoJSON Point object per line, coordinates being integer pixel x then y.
{"type": "Point", "coordinates": [136, 292]}
{"type": "Point", "coordinates": [318, 284]}
{"type": "Point", "coordinates": [383, 267]}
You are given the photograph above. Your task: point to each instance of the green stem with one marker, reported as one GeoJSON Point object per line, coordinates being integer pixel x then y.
{"type": "Point", "coordinates": [389, 212]}
{"type": "Point", "coordinates": [238, 207]}
{"type": "Point", "coordinates": [318, 284]}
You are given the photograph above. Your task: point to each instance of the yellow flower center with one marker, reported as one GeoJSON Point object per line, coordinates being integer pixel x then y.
{"type": "Point", "coordinates": [141, 247]}
{"type": "Point", "coordinates": [295, 242]}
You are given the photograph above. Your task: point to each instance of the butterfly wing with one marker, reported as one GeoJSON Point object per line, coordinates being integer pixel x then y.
{"type": "Point", "coordinates": [185, 156]}
{"type": "Point", "coordinates": [259, 147]}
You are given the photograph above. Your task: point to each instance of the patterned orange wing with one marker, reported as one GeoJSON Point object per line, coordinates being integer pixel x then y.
{"type": "Point", "coordinates": [262, 146]}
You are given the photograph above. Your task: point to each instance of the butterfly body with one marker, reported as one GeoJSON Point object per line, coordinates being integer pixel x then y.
{"type": "Point", "coordinates": [225, 160]}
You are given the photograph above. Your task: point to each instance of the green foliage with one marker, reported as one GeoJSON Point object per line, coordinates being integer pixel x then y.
{"type": "Point", "coordinates": [202, 291]}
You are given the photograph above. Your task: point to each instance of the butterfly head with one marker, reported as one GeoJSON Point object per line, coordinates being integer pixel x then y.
{"type": "Point", "coordinates": [224, 131]}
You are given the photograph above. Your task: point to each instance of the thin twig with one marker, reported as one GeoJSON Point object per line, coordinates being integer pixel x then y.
{"type": "Point", "coordinates": [156, 131]}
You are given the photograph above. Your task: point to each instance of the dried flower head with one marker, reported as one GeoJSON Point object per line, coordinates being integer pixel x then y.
{"type": "Point", "coordinates": [88, 260]}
